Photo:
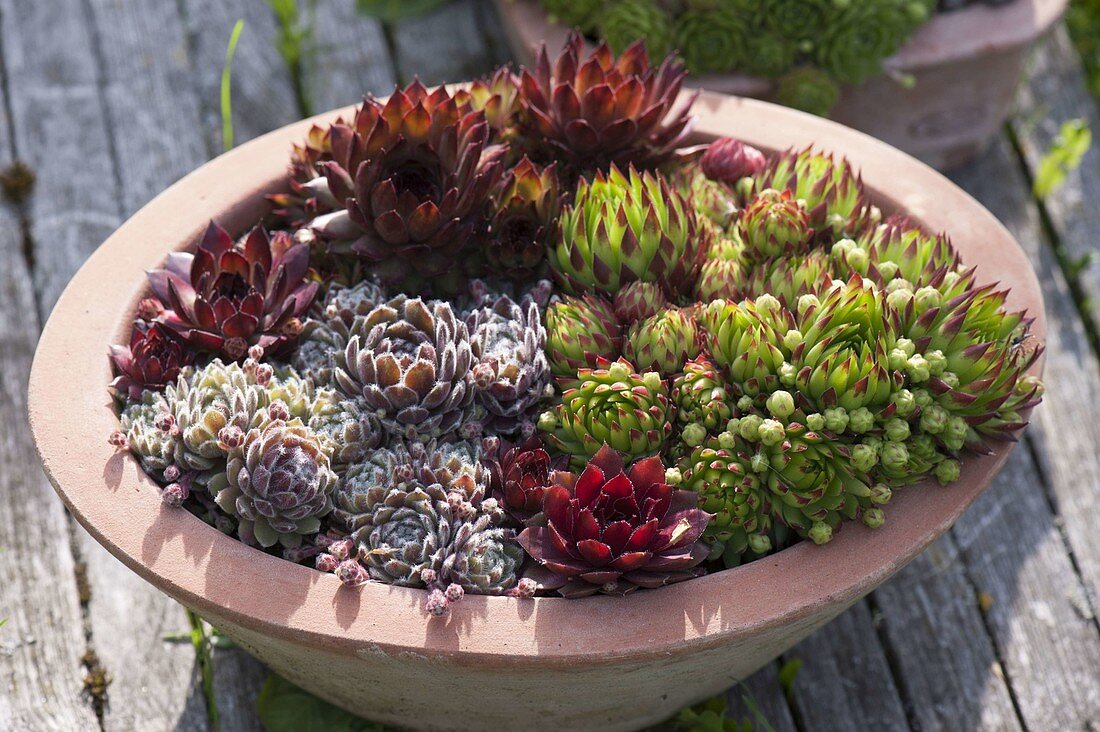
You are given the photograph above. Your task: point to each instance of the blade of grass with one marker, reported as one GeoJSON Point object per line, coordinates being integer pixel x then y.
{"type": "Point", "coordinates": [227, 89]}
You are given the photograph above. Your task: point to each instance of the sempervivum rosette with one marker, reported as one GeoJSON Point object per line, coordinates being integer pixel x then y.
{"type": "Point", "coordinates": [711, 39]}
{"type": "Point", "coordinates": [225, 298]}
{"type": "Point", "coordinates": [415, 182]}
{"type": "Point", "coordinates": [591, 112]}
{"type": "Point", "coordinates": [829, 187]}
{"type": "Point", "coordinates": [623, 227]}
{"type": "Point", "coordinates": [278, 484]}
{"type": "Point", "coordinates": [663, 342]}
{"type": "Point", "coordinates": [774, 223]}
{"type": "Point", "coordinates": [526, 205]}
{"type": "Point", "coordinates": [612, 404]}
{"type": "Point", "coordinates": [511, 372]}
{"type": "Point", "coordinates": [622, 23]}
{"type": "Point", "coordinates": [418, 517]}
{"type": "Point", "coordinates": [152, 360]}
{"type": "Point", "coordinates": [578, 331]}
{"type": "Point", "coordinates": [638, 301]}
{"type": "Point", "coordinates": [411, 362]}
{"type": "Point", "coordinates": [747, 340]}
{"type": "Point", "coordinates": [613, 530]}
{"type": "Point", "coordinates": [701, 395]}
{"type": "Point", "coordinates": [857, 36]}
{"type": "Point", "coordinates": [520, 474]}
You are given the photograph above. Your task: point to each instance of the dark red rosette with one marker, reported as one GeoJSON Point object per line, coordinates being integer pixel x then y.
{"type": "Point", "coordinates": [152, 360]}
{"type": "Point", "coordinates": [612, 531]}
{"type": "Point", "coordinates": [225, 298]}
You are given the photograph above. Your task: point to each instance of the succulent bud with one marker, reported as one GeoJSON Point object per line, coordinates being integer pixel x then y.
{"type": "Point", "coordinates": [230, 437]}
{"type": "Point", "coordinates": [437, 603]}
{"type": "Point", "coordinates": [256, 352]}
{"type": "Point", "coordinates": [927, 298]}
{"type": "Point", "coordinates": [864, 457]}
{"type": "Point", "coordinates": [637, 301]}
{"type": "Point", "coordinates": [171, 473]}
{"type": "Point", "coordinates": [820, 533]}
{"type": "Point", "coordinates": [947, 471]}
{"type": "Point", "coordinates": [836, 419]}
{"type": "Point", "coordinates": [150, 309]}
{"type": "Point", "coordinates": [873, 517]}
{"type": "Point", "coordinates": [673, 476]}
{"type": "Point", "coordinates": [174, 494]}
{"type": "Point", "coordinates": [454, 593]}
{"type": "Point", "coordinates": [933, 419]}
{"type": "Point", "coordinates": [894, 456]}
{"type": "Point", "coordinates": [760, 543]}
{"type": "Point", "coordinates": [815, 421]}
{"type": "Point", "coordinates": [760, 463]}
{"type": "Point", "coordinates": [351, 573]}
{"type": "Point", "coordinates": [771, 432]}
{"type": "Point", "coordinates": [524, 589]}
{"type": "Point", "coordinates": [918, 369]}
{"type": "Point", "coordinates": [897, 429]}
{"type": "Point", "coordinates": [749, 427]}
{"type": "Point", "coordinates": [694, 434]}
{"type": "Point", "coordinates": [118, 439]}
{"type": "Point", "coordinates": [326, 563]}
{"type": "Point", "coordinates": [729, 160]}
{"type": "Point", "coordinates": [937, 362]}
{"type": "Point", "coordinates": [860, 421]}
{"type": "Point", "coordinates": [904, 403]}
{"type": "Point", "coordinates": [781, 404]}
{"type": "Point", "coordinates": [278, 410]}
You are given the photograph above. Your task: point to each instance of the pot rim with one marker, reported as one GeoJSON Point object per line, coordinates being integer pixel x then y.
{"type": "Point", "coordinates": [216, 575]}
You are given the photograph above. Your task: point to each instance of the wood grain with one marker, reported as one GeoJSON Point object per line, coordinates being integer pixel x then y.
{"type": "Point", "coordinates": [351, 58]}
{"type": "Point", "coordinates": [446, 45]}
{"type": "Point", "coordinates": [1066, 431]}
{"type": "Point", "coordinates": [1039, 613]}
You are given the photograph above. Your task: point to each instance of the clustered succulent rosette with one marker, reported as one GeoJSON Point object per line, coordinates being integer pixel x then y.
{"type": "Point", "coordinates": [511, 340]}
{"type": "Point", "coordinates": [808, 47]}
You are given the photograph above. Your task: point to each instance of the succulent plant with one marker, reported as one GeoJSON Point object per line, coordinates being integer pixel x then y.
{"type": "Point", "coordinates": [350, 427]}
{"type": "Point", "coordinates": [712, 199]}
{"type": "Point", "coordinates": [701, 395]}
{"type": "Point", "coordinates": [842, 357]}
{"type": "Point", "coordinates": [613, 405]}
{"type": "Point", "coordinates": [520, 475]}
{"type": "Point", "coordinates": [412, 362]}
{"type": "Point", "coordinates": [152, 360]}
{"type": "Point", "coordinates": [278, 483]}
{"type": "Point", "coordinates": [511, 373]}
{"type": "Point", "coordinates": [419, 518]}
{"type": "Point", "coordinates": [663, 342]}
{"type": "Point", "coordinates": [497, 97]}
{"type": "Point", "coordinates": [306, 199]}
{"type": "Point", "coordinates": [626, 227]}
{"type": "Point", "coordinates": [711, 40]}
{"type": "Point", "coordinates": [578, 331]}
{"type": "Point", "coordinates": [214, 407]}
{"type": "Point", "coordinates": [729, 489]}
{"type": "Point", "coordinates": [809, 89]}
{"type": "Point", "coordinates": [624, 22]}
{"type": "Point", "coordinates": [315, 357]}
{"type": "Point", "coordinates": [638, 301]}
{"type": "Point", "coordinates": [225, 298]}
{"type": "Point", "coordinates": [151, 435]}
{"type": "Point", "coordinates": [745, 342]}
{"type": "Point", "coordinates": [343, 304]}
{"type": "Point", "coordinates": [859, 36]}
{"type": "Point", "coordinates": [590, 112]}
{"type": "Point", "coordinates": [789, 278]}
{"type": "Point", "coordinates": [728, 160]}
{"type": "Point", "coordinates": [913, 255]}
{"type": "Point", "coordinates": [613, 530]}
{"type": "Point", "coordinates": [767, 54]}
{"type": "Point", "coordinates": [829, 187]}
{"type": "Point", "coordinates": [720, 279]}
{"type": "Point", "coordinates": [583, 14]}
{"type": "Point", "coordinates": [415, 176]}
{"type": "Point", "coordinates": [774, 223]}
{"type": "Point", "coordinates": [526, 205]}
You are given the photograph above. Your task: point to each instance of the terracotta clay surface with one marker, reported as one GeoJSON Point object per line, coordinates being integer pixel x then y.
{"type": "Point", "coordinates": [600, 663]}
{"type": "Point", "coordinates": [965, 66]}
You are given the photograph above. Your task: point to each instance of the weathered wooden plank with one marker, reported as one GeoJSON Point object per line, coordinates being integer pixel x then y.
{"type": "Point", "coordinates": [1057, 91]}
{"type": "Point", "coordinates": [944, 657]}
{"type": "Point", "coordinates": [1066, 430]}
{"type": "Point", "coordinates": [42, 642]}
{"type": "Point", "coordinates": [237, 681]}
{"type": "Point", "coordinates": [1038, 610]}
{"type": "Point", "coordinates": [845, 682]}
{"type": "Point", "coordinates": [444, 46]}
{"type": "Point", "coordinates": [263, 98]}
{"type": "Point", "coordinates": [496, 41]}
{"type": "Point", "coordinates": [59, 129]}
{"type": "Point", "coordinates": [762, 689]}
{"type": "Point", "coordinates": [350, 59]}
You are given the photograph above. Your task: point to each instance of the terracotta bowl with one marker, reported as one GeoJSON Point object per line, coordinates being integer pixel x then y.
{"type": "Point", "coordinates": [496, 663]}
{"type": "Point", "coordinates": [965, 66]}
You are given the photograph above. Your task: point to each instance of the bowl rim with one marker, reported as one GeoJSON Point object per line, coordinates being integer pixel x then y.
{"type": "Point", "coordinates": [216, 575]}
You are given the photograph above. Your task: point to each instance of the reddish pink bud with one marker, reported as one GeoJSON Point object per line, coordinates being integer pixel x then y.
{"type": "Point", "coordinates": [172, 473]}
{"type": "Point", "coordinates": [174, 494]}
{"type": "Point", "coordinates": [729, 160]}
{"type": "Point", "coordinates": [278, 410]}
{"type": "Point", "coordinates": [165, 422]}
{"type": "Point", "coordinates": [118, 439]}
{"type": "Point", "coordinates": [524, 589]}
{"type": "Point", "coordinates": [437, 603]}
{"type": "Point", "coordinates": [351, 573]}
{"type": "Point", "coordinates": [454, 593]}
{"type": "Point", "coordinates": [256, 352]}
{"type": "Point", "coordinates": [230, 437]}
{"type": "Point", "coordinates": [342, 549]}
{"type": "Point", "coordinates": [264, 372]}
{"type": "Point", "coordinates": [326, 563]}
{"type": "Point", "coordinates": [428, 576]}
{"type": "Point", "coordinates": [235, 347]}
{"type": "Point", "coordinates": [149, 309]}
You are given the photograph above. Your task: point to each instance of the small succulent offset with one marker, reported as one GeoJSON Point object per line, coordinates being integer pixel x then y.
{"type": "Point", "coordinates": [737, 352]}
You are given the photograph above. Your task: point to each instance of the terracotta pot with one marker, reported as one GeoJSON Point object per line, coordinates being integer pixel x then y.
{"type": "Point", "coordinates": [966, 65]}
{"type": "Point", "coordinates": [496, 663]}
